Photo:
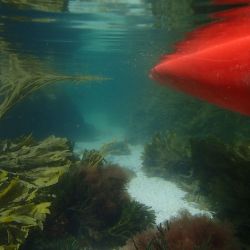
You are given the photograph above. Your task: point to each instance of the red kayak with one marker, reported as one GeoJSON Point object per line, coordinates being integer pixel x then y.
{"type": "Point", "coordinates": [212, 63]}
{"type": "Point", "coordinates": [231, 1]}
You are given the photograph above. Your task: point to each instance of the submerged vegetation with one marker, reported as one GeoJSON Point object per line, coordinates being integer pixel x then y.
{"type": "Point", "coordinates": [28, 169]}
{"type": "Point", "coordinates": [50, 199]}
{"type": "Point", "coordinates": [171, 14]}
{"type": "Point", "coordinates": [93, 206]}
{"type": "Point", "coordinates": [186, 232]}
{"type": "Point", "coordinates": [215, 174]}
{"type": "Point", "coordinates": [48, 6]}
{"type": "Point", "coordinates": [89, 204]}
{"type": "Point", "coordinates": [223, 172]}
{"type": "Point", "coordinates": [21, 77]}
{"type": "Point", "coordinates": [167, 154]}
{"type": "Point", "coordinates": [184, 115]}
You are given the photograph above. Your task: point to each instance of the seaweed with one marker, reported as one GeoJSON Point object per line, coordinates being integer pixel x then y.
{"type": "Point", "coordinates": [51, 6]}
{"type": "Point", "coordinates": [216, 176]}
{"type": "Point", "coordinates": [223, 172]}
{"type": "Point", "coordinates": [172, 15]}
{"type": "Point", "coordinates": [24, 202]}
{"type": "Point", "coordinates": [135, 218]}
{"type": "Point", "coordinates": [92, 206]}
{"type": "Point", "coordinates": [167, 155]}
{"type": "Point", "coordinates": [187, 232]}
{"type": "Point", "coordinates": [22, 76]}
{"type": "Point", "coordinates": [160, 108]}
{"type": "Point", "coordinates": [28, 169]}
{"type": "Point", "coordinates": [69, 243]}
{"type": "Point", "coordinates": [93, 158]}
{"type": "Point", "coordinates": [27, 154]}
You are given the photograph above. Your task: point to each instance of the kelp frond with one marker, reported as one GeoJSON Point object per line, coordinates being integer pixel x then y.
{"type": "Point", "coordinates": [27, 154]}
{"type": "Point", "coordinates": [27, 168]}
{"type": "Point", "coordinates": [48, 6]}
{"type": "Point", "coordinates": [93, 158]}
{"type": "Point", "coordinates": [20, 78]}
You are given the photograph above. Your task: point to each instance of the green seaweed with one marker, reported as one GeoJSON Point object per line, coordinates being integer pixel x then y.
{"type": "Point", "coordinates": [24, 202]}
{"type": "Point", "coordinates": [172, 15]}
{"type": "Point", "coordinates": [21, 76]}
{"type": "Point", "coordinates": [69, 243]}
{"type": "Point", "coordinates": [92, 206]}
{"type": "Point", "coordinates": [216, 176]}
{"type": "Point", "coordinates": [223, 171]}
{"type": "Point", "coordinates": [167, 155]}
{"type": "Point", "coordinates": [50, 6]}
{"type": "Point", "coordinates": [161, 108]}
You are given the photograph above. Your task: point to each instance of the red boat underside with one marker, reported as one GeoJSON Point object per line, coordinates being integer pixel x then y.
{"type": "Point", "coordinates": [213, 64]}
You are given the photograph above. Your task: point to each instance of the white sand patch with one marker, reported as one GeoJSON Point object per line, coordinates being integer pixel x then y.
{"type": "Point", "coordinates": [164, 197]}
{"type": "Point", "coordinates": [132, 161]}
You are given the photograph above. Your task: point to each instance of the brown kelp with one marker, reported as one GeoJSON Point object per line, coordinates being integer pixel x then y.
{"type": "Point", "coordinates": [93, 206]}
{"type": "Point", "coordinates": [21, 76]}
{"type": "Point", "coordinates": [186, 232]}
{"type": "Point", "coordinates": [48, 6]}
{"type": "Point", "coordinates": [24, 201]}
{"type": "Point", "coordinates": [28, 168]}
{"type": "Point", "coordinates": [26, 154]}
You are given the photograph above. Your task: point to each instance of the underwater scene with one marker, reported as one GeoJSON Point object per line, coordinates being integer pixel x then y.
{"type": "Point", "coordinates": [125, 125]}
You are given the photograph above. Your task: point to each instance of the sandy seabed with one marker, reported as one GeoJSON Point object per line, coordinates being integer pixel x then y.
{"type": "Point", "coordinates": [163, 196]}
